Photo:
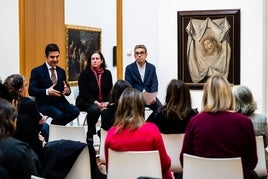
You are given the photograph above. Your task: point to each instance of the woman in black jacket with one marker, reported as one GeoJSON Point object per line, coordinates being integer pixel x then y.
{"type": "Point", "coordinates": [95, 84]}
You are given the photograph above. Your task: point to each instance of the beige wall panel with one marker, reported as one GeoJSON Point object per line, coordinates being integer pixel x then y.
{"type": "Point", "coordinates": [41, 22]}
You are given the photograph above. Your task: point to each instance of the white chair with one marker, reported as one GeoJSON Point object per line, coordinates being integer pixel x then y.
{"type": "Point", "coordinates": [102, 142]}
{"type": "Point", "coordinates": [260, 168]}
{"type": "Point", "coordinates": [173, 144]}
{"type": "Point", "coordinates": [84, 113]}
{"type": "Point", "coordinates": [133, 164]}
{"type": "Point", "coordinates": [211, 168]}
{"type": "Point", "coordinates": [75, 133]}
{"type": "Point", "coordinates": [81, 167]}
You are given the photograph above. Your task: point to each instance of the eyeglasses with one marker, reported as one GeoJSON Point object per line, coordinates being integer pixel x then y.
{"type": "Point", "coordinates": [140, 53]}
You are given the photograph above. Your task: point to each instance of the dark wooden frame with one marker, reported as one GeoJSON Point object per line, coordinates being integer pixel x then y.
{"type": "Point", "coordinates": [78, 34]}
{"type": "Point", "coordinates": [233, 17]}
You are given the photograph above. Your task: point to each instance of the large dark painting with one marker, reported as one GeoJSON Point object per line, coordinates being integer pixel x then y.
{"type": "Point", "coordinates": [81, 42]}
{"type": "Point", "coordinates": [208, 44]}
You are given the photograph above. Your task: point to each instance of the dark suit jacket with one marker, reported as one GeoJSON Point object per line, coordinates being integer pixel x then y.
{"type": "Point", "coordinates": [58, 157]}
{"type": "Point", "coordinates": [150, 83]}
{"type": "Point", "coordinates": [89, 90]}
{"type": "Point", "coordinates": [40, 81]}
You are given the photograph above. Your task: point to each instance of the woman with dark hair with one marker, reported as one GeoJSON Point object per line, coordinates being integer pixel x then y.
{"type": "Point", "coordinates": [18, 160]}
{"type": "Point", "coordinates": [31, 124]}
{"type": "Point", "coordinates": [107, 115]}
{"type": "Point", "coordinates": [95, 84]}
{"type": "Point", "coordinates": [174, 115]}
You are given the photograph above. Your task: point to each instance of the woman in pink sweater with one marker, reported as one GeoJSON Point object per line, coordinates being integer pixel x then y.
{"type": "Point", "coordinates": [131, 133]}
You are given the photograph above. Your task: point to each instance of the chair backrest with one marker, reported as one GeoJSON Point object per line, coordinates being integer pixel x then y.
{"type": "Point", "coordinates": [260, 168]}
{"type": "Point", "coordinates": [133, 164]}
{"type": "Point", "coordinates": [75, 133]}
{"type": "Point", "coordinates": [102, 142]}
{"type": "Point", "coordinates": [81, 167]}
{"type": "Point", "coordinates": [173, 144]}
{"type": "Point", "coordinates": [210, 168]}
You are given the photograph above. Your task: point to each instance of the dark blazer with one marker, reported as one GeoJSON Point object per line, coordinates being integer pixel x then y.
{"type": "Point", "coordinates": [19, 159]}
{"type": "Point", "coordinates": [150, 83]}
{"type": "Point", "coordinates": [40, 81]}
{"type": "Point", "coordinates": [58, 157]}
{"type": "Point", "coordinates": [107, 116]}
{"type": "Point", "coordinates": [89, 90]}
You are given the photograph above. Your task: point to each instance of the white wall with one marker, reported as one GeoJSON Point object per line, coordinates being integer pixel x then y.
{"type": "Point", "coordinates": [9, 35]}
{"type": "Point", "coordinates": [100, 14]}
{"type": "Point", "coordinates": [160, 20]}
{"type": "Point", "coordinates": [153, 23]}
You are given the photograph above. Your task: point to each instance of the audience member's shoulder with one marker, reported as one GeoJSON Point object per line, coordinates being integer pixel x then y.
{"type": "Point", "coordinates": [15, 145]}
{"type": "Point", "coordinates": [258, 116]}
{"type": "Point", "coordinates": [150, 126]}
{"type": "Point", "coordinates": [27, 101]}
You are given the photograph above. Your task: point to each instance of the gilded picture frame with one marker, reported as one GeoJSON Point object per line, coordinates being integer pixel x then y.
{"type": "Point", "coordinates": [81, 41]}
{"type": "Point", "coordinates": [208, 44]}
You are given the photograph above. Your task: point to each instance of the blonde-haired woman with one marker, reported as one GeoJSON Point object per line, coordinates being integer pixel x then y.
{"type": "Point", "coordinates": [218, 131]}
{"type": "Point", "coordinates": [131, 133]}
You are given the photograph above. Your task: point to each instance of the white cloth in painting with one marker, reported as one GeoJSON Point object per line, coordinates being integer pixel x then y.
{"type": "Point", "coordinates": [202, 64]}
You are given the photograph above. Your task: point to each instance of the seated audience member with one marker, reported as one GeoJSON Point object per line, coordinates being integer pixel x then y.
{"type": "Point", "coordinates": [218, 131]}
{"type": "Point", "coordinates": [131, 133]}
{"type": "Point", "coordinates": [107, 115]}
{"type": "Point", "coordinates": [30, 122]}
{"type": "Point", "coordinates": [49, 87]}
{"type": "Point", "coordinates": [174, 115]}
{"type": "Point", "coordinates": [245, 104]}
{"type": "Point", "coordinates": [18, 160]}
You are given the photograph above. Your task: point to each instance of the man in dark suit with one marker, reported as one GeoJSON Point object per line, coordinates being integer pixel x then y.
{"type": "Point", "coordinates": [142, 75]}
{"type": "Point", "coordinates": [48, 85]}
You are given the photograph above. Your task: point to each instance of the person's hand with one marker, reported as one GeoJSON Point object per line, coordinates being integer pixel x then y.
{"type": "Point", "coordinates": [41, 138]}
{"type": "Point", "coordinates": [154, 101]}
{"type": "Point", "coordinates": [104, 105]}
{"type": "Point", "coordinates": [66, 89]}
{"type": "Point", "coordinates": [43, 120]}
{"type": "Point", "coordinates": [53, 92]}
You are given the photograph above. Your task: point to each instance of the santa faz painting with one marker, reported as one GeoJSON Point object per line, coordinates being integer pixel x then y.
{"type": "Point", "coordinates": [208, 44]}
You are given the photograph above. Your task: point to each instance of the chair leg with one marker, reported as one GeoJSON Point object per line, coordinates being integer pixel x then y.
{"type": "Point", "coordinates": [85, 121]}
{"type": "Point", "coordinates": [78, 121]}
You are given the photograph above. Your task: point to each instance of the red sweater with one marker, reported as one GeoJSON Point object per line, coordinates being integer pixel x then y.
{"type": "Point", "coordinates": [221, 135]}
{"type": "Point", "coordinates": [145, 138]}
